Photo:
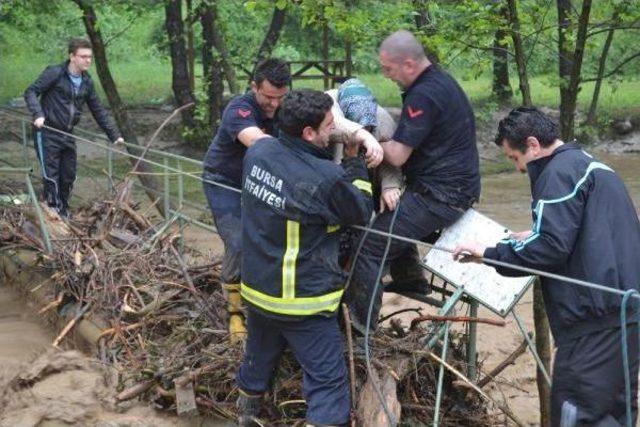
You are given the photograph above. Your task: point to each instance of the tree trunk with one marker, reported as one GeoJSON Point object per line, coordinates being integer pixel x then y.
{"type": "Point", "coordinates": [543, 347]}
{"type": "Point", "coordinates": [570, 64]}
{"type": "Point", "coordinates": [348, 58]}
{"type": "Point", "coordinates": [211, 66]}
{"type": "Point", "coordinates": [325, 52]}
{"type": "Point", "coordinates": [521, 62]}
{"type": "Point", "coordinates": [191, 53]}
{"type": "Point", "coordinates": [424, 24]}
{"type": "Point", "coordinates": [501, 85]}
{"type": "Point", "coordinates": [179, 65]}
{"type": "Point", "coordinates": [602, 62]}
{"type": "Point", "coordinates": [225, 58]}
{"type": "Point", "coordinates": [149, 182]}
{"type": "Point", "coordinates": [271, 37]}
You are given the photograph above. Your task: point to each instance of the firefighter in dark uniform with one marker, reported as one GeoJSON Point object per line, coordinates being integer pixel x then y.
{"type": "Point", "coordinates": [435, 145]}
{"type": "Point", "coordinates": [246, 119]}
{"type": "Point", "coordinates": [56, 99]}
{"type": "Point", "coordinates": [294, 201]}
{"type": "Point", "coordinates": [584, 227]}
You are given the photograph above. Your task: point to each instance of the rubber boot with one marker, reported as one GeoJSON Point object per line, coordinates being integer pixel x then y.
{"type": "Point", "coordinates": [249, 406]}
{"type": "Point", "coordinates": [237, 329]}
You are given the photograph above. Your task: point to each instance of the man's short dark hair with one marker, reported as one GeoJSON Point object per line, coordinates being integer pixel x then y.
{"type": "Point", "coordinates": [275, 70]}
{"type": "Point", "coordinates": [75, 44]}
{"type": "Point", "coordinates": [302, 108]}
{"type": "Point", "coordinates": [523, 122]}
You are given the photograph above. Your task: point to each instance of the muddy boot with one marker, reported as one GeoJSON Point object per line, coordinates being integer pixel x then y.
{"type": "Point", "coordinates": [237, 329]}
{"type": "Point", "coordinates": [249, 406]}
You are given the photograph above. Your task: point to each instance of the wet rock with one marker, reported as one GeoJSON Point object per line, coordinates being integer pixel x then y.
{"type": "Point", "coordinates": [622, 126]}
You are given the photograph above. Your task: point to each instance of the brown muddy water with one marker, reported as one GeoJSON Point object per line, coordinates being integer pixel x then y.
{"type": "Point", "coordinates": [506, 196]}
{"type": "Point", "coordinates": [21, 336]}
{"type": "Point", "coordinates": [70, 389]}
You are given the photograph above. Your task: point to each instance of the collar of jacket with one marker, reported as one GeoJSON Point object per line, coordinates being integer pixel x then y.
{"type": "Point", "coordinates": [535, 167]}
{"type": "Point", "coordinates": [300, 145]}
{"type": "Point", "coordinates": [65, 67]}
{"type": "Point", "coordinates": [418, 79]}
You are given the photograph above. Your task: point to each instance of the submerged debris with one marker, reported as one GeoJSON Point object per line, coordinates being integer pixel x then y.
{"type": "Point", "coordinates": [164, 324]}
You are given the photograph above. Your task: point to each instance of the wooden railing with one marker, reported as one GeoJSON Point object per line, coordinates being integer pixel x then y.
{"type": "Point", "coordinates": [330, 71]}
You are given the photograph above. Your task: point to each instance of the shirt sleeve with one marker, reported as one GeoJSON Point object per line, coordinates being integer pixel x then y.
{"type": "Point", "coordinates": [350, 200]}
{"type": "Point", "coordinates": [416, 120]}
{"type": "Point", "coordinates": [44, 82]}
{"type": "Point", "coordinates": [239, 116]}
{"type": "Point", "coordinates": [557, 218]}
{"type": "Point", "coordinates": [100, 114]}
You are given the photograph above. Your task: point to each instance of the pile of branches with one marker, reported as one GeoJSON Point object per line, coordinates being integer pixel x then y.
{"type": "Point", "coordinates": [164, 322]}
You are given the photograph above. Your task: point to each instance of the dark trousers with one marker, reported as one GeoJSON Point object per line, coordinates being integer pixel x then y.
{"type": "Point", "coordinates": [418, 216]}
{"type": "Point", "coordinates": [225, 208]}
{"type": "Point", "coordinates": [316, 343]}
{"type": "Point", "coordinates": [58, 159]}
{"type": "Point", "coordinates": [588, 380]}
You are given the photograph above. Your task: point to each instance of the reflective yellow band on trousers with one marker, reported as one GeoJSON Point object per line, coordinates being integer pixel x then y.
{"type": "Point", "coordinates": [363, 185]}
{"type": "Point", "coordinates": [332, 228]}
{"type": "Point", "coordinates": [303, 306]}
{"type": "Point", "coordinates": [289, 260]}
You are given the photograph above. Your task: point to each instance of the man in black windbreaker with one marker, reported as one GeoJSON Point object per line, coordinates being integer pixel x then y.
{"type": "Point", "coordinates": [56, 99]}
{"type": "Point", "coordinates": [294, 201]}
{"type": "Point", "coordinates": [584, 227]}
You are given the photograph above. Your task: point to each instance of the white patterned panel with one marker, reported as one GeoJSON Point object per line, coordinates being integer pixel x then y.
{"type": "Point", "coordinates": [496, 292]}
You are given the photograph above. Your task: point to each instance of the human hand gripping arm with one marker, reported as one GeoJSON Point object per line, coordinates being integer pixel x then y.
{"type": "Point", "coordinates": [391, 182]}
{"type": "Point", "coordinates": [374, 153]}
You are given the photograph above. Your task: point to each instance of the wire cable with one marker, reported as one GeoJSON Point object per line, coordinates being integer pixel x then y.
{"type": "Point", "coordinates": [626, 294]}
{"type": "Point", "coordinates": [392, 421]}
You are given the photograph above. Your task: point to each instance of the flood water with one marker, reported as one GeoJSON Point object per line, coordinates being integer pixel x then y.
{"type": "Point", "coordinates": [506, 197]}
{"type": "Point", "coordinates": [21, 336]}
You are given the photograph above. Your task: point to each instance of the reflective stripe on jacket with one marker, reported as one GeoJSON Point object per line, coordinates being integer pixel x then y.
{"type": "Point", "coordinates": [585, 227]}
{"type": "Point", "coordinates": [294, 200]}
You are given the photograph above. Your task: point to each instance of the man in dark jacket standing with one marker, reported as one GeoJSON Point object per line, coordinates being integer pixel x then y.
{"type": "Point", "coordinates": [245, 120]}
{"type": "Point", "coordinates": [435, 145]}
{"type": "Point", "coordinates": [56, 99]}
{"type": "Point", "coordinates": [294, 201]}
{"type": "Point", "coordinates": [584, 227]}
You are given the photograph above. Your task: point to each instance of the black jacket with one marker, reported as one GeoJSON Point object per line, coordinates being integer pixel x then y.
{"type": "Point", "coordinates": [294, 200]}
{"type": "Point", "coordinates": [585, 227]}
{"type": "Point", "coordinates": [52, 96]}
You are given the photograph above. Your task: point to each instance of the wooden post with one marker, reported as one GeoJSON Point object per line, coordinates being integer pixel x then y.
{"type": "Point", "coordinates": [325, 52]}
{"type": "Point", "coordinates": [543, 347]}
{"type": "Point", "coordinates": [347, 58]}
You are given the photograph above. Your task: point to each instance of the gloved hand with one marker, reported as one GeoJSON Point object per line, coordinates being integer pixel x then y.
{"type": "Point", "coordinates": [39, 122]}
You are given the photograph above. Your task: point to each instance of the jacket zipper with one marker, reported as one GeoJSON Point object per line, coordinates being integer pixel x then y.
{"type": "Point", "coordinates": [72, 105]}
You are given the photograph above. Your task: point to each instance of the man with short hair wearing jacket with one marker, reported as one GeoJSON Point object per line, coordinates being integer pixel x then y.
{"type": "Point", "coordinates": [56, 100]}
{"type": "Point", "coordinates": [294, 201]}
{"type": "Point", "coordinates": [584, 227]}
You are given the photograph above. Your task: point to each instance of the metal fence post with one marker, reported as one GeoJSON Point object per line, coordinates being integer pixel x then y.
{"type": "Point", "coordinates": [110, 167]}
{"type": "Point", "coordinates": [181, 222]}
{"type": "Point", "coordinates": [472, 335]}
{"type": "Point", "coordinates": [167, 189]}
{"type": "Point", "coordinates": [25, 152]}
{"type": "Point", "coordinates": [36, 204]}
{"type": "Point", "coordinates": [445, 345]}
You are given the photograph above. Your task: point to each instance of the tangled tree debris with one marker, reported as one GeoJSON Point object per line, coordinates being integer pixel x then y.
{"type": "Point", "coordinates": [164, 325]}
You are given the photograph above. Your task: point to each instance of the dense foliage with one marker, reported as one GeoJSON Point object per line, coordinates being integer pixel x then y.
{"type": "Point", "coordinates": [461, 34]}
